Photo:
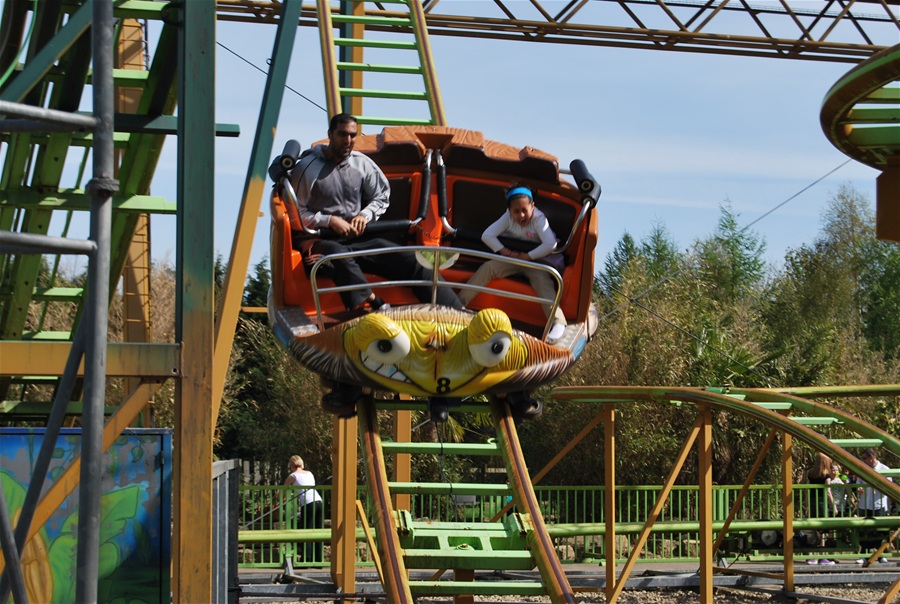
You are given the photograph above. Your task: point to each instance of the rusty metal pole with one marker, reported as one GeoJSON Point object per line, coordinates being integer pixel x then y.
{"type": "Point", "coordinates": [609, 494]}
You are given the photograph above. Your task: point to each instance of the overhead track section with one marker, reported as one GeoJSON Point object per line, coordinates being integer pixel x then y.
{"type": "Point", "coordinates": [789, 29]}
{"type": "Point", "coordinates": [382, 58]}
{"type": "Point", "coordinates": [861, 117]}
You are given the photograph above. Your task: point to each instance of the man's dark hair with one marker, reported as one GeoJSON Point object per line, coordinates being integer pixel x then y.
{"type": "Point", "coordinates": [340, 118]}
{"type": "Point", "coordinates": [870, 452]}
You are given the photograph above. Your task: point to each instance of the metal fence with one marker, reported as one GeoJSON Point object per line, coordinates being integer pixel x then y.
{"type": "Point", "coordinates": [225, 499]}
{"type": "Point", "coordinates": [575, 517]}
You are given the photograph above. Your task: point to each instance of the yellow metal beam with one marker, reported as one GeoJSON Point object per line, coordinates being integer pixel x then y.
{"type": "Point", "coordinates": [704, 447]}
{"type": "Point", "coordinates": [345, 451]}
{"type": "Point", "coordinates": [738, 501]}
{"type": "Point", "coordinates": [609, 496]}
{"type": "Point", "coordinates": [402, 461]}
{"type": "Point", "coordinates": [136, 296]}
{"type": "Point", "coordinates": [233, 288]}
{"type": "Point", "coordinates": [123, 359]}
{"type": "Point", "coordinates": [891, 593]}
{"type": "Point", "coordinates": [661, 499]}
{"type": "Point", "coordinates": [787, 500]}
{"type": "Point", "coordinates": [569, 446]}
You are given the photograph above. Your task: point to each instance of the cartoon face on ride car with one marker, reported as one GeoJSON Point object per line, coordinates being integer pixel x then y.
{"type": "Point", "coordinates": [426, 350]}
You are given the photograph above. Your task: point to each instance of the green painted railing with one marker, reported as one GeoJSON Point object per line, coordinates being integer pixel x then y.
{"type": "Point", "coordinates": [575, 518]}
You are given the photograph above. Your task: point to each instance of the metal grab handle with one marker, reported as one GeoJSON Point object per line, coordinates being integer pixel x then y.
{"type": "Point", "coordinates": [425, 190]}
{"type": "Point", "coordinates": [288, 192]}
{"type": "Point", "coordinates": [443, 205]}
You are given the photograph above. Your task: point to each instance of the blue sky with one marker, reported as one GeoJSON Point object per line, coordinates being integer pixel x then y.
{"type": "Point", "coordinates": [670, 136]}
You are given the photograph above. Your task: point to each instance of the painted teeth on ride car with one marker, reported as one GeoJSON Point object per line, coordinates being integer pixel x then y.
{"type": "Point", "coordinates": [388, 371]}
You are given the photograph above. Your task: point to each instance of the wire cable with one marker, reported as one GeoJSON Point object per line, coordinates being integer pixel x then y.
{"type": "Point", "coordinates": [305, 98]}
{"type": "Point", "coordinates": [679, 270]}
{"type": "Point", "coordinates": [634, 300]}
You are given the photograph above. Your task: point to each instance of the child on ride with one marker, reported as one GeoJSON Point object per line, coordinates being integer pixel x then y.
{"type": "Point", "coordinates": [525, 222]}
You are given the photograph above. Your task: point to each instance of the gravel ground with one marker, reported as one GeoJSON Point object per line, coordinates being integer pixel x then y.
{"type": "Point", "coordinates": [856, 593]}
{"type": "Point", "coordinates": [868, 593]}
{"type": "Point", "coordinates": [852, 593]}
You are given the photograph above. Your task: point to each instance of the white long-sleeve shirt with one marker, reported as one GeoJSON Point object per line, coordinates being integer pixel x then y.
{"type": "Point", "coordinates": [536, 231]}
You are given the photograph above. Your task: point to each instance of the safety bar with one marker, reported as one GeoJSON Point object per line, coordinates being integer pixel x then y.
{"type": "Point", "coordinates": [436, 282]}
{"type": "Point", "coordinates": [443, 202]}
{"type": "Point", "coordinates": [424, 190]}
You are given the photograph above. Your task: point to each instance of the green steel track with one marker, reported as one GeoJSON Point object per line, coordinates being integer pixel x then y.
{"type": "Point", "coordinates": [861, 112]}
{"type": "Point", "coordinates": [784, 412]}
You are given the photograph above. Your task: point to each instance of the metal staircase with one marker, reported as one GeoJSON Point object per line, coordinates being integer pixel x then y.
{"type": "Point", "coordinates": [510, 541]}
{"type": "Point", "coordinates": [400, 40]}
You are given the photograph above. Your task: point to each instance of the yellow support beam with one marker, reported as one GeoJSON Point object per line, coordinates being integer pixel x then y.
{"type": "Point", "coordinates": [123, 359]}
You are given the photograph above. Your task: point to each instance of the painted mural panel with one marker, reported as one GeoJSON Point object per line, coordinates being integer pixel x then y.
{"type": "Point", "coordinates": [135, 521]}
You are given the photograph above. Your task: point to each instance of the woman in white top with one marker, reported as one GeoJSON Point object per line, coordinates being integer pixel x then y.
{"type": "Point", "coordinates": [311, 512]}
{"type": "Point", "coordinates": [525, 222]}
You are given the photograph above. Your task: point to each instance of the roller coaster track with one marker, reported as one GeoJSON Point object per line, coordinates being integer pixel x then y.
{"type": "Point", "coordinates": [791, 29]}
{"type": "Point", "coordinates": [409, 54]}
{"type": "Point", "coordinates": [784, 412]}
{"type": "Point", "coordinates": [519, 542]}
{"type": "Point", "coordinates": [861, 117]}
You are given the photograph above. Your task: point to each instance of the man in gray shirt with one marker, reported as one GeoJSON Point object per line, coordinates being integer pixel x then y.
{"type": "Point", "coordinates": [344, 190]}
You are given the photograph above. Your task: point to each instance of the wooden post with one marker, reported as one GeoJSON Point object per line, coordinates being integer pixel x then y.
{"type": "Point", "coordinates": [402, 463]}
{"type": "Point", "coordinates": [609, 496]}
{"type": "Point", "coordinates": [706, 504]}
{"type": "Point", "coordinates": [343, 504]}
{"type": "Point", "coordinates": [787, 499]}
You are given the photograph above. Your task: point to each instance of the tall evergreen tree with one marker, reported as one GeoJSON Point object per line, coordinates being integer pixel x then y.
{"type": "Point", "coordinates": [616, 264]}
{"type": "Point", "coordinates": [732, 261]}
{"type": "Point", "coordinates": [256, 292]}
{"type": "Point", "coordinates": [661, 253]}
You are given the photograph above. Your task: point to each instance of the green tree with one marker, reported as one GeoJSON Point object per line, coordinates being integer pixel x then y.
{"type": "Point", "coordinates": [732, 260]}
{"type": "Point", "coordinates": [880, 299]}
{"type": "Point", "coordinates": [661, 253]}
{"type": "Point", "coordinates": [256, 292]}
{"type": "Point", "coordinates": [616, 264]}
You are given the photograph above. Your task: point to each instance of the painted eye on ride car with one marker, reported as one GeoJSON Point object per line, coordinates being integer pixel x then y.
{"type": "Point", "coordinates": [491, 352]}
{"type": "Point", "coordinates": [389, 351]}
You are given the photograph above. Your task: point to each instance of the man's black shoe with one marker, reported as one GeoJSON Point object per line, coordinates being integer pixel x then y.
{"type": "Point", "coordinates": [342, 399]}
{"type": "Point", "coordinates": [440, 408]}
{"type": "Point", "coordinates": [522, 406]}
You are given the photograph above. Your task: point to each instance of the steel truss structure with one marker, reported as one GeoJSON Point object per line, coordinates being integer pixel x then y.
{"type": "Point", "coordinates": [834, 30]}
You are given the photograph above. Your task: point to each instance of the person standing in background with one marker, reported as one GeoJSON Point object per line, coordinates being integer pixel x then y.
{"type": "Point", "coordinates": [311, 513]}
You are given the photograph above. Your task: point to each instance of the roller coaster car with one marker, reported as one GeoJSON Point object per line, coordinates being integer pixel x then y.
{"type": "Point", "coordinates": [447, 185]}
